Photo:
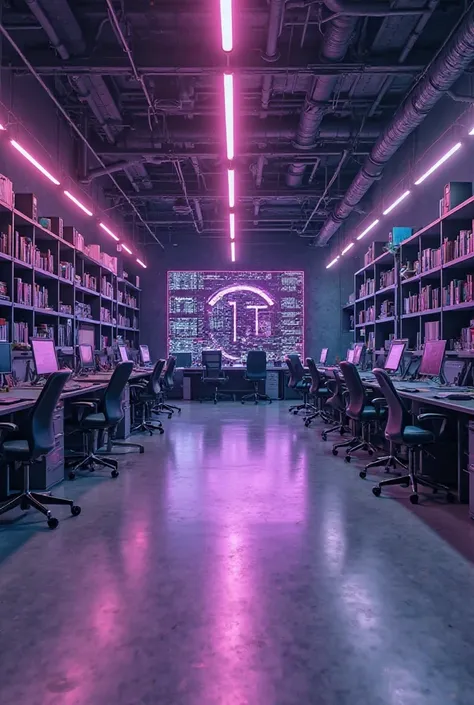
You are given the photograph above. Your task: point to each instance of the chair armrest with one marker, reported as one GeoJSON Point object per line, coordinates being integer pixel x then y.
{"type": "Point", "coordinates": [439, 420]}
{"type": "Point", "coordinates": [86, 404]}
{"type": "Point", "coordinates": [381, 402]}
{"type": "Point", "coordinates": [5, 426]}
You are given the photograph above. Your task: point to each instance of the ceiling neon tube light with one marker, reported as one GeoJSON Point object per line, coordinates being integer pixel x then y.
{"type": "Point", "coordinates": [232, 225]}
{"type": "Point", "coordinates": [2, 127]}
{"type": "Point", "coordinates": [347, 248]}
{"type": "Point", "coordinates": [226, 25]}
{"type": "Point", "coordinates": [395, 203]}
{"type": "Point", "coordinates": [33, 161]}
{"type": "Point", "coordinates": [332, 262]}
{"type": "Point", "coordinates": [109, 232]}
{"type": "Point", "coordinates": [229, 113]}
{"type": "Point", "coordinates": [368, 229]}
{"type": "Point", "coordinates": [232, 251]}
{"type": "Point", "coordinates": [471, 132]}
{"type": "Point", "coordinates": [142, 264]}
{"type": "Point", "coordinates": [126, 248]}
{"type": "Point", "coordinates": [78, 203]}
{"type": "Point", "coordinates": [231, 180]}
{"type": "Point", "coordinates": [441, 161]}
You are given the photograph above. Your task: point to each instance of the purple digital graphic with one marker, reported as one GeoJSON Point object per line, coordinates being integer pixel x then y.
{"type": "Point", "coordinates": [236, 312]}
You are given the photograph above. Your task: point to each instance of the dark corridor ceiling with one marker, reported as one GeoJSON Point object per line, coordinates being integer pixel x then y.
{"type": "Point", "coordinates": [161, 126]}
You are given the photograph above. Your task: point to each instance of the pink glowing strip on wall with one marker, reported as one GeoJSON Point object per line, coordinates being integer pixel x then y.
{"type": "Point", "coordinates": [33, 161]}
{"type": "Point", "coordinates": [226, 25]}
{"type": "Point", "coordinates": [332, 262]}
{"type": "Point", "coordinates": [109, 232]}
{"type": "Point", "coordinates": [395, 203]}
{"type": "Point", "coordinates": [234, 315]}
{"type": "Point", "coordinates": [240, 287]}
{"type": "Point", "coordinates": [126, 248]}
{"type": "Point", "coordinates": [232, 225]}
{"type": "Point", "coordinates": [256, 308]}
{"type": "Point", "coordinates": [368, 229]}
{"type": "Point", "coordinates": [78, 203]}
{"type": "Point", "coordinates": [231, 181]}
{"type": "Point", "coordinates": [347, 248]}
{"type": "Point", "coordinates": [229, 113]}
{"type": "Point", "coordinates": [437, 164]}
{"type": "Point", "coordinates": [232, 251]}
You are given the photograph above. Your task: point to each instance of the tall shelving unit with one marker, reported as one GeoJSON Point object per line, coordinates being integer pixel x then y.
{"type": "Point", "coordinates": [39, 289]}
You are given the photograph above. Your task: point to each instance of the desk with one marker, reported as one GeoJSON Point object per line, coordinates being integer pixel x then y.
{"type": "Point", "coordinates": [194, 389]}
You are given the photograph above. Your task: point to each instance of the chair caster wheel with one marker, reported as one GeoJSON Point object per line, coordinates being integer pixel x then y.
{"type": "Point", "coordinates": [347, 458]}
{"type": "Point", "coordinates": [115, 473]}
{"type": "Point", "coordinates": [370, 452]}
{"type": "Point", "coordinates": [75, 510]}
{"type": "Point", "coordinates": [376, 491]}
{"type": "Point", "coordinates": [53, 523]}
{"type": "Point", "coordinates": [170, 415]}
{"type": "Point", "coordinates": [295, 412]}
{"type": "Point", "coordinates": [450, 497]}
{"type": "Point", "coordinates": [324, 436]}
{"type": "Point", "coordinates": [362, 474]}
{"type": "Point", "coordinates": [161, 431]}
{"type": "Point", "coordinates": [307, 424]}
{"type": "Point", "coordinates": [71, 475]}
{"type": "Point", "coordinates": [242, 401]}
{"type": "Point", "coordinates": [414, 498]}
{"type": "Point", "coordinates": [335, 451]}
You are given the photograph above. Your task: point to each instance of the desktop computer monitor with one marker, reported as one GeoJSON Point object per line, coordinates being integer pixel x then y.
{"type": "Point", "coordinates": [432, 358]}
{"type": "Point", "coordinates": [359, 347]}
{"type": "Point", "coordinates": [395, 355]}
{"type": "Point", "coordinates": [86, 355]}
{"type": "Point", "coordinates": [44, 356]}
{"type": "Point", "coordinates": [350, 355]}
{"type": "Point", "coordinates": [453, 371]}
{"type": "Point", "coordinates": [183, 359]}
{"type": "Point", "coordinates": [5, 358]}
{"type": "Point", "coordinates": [145, 354]}
{"type": "Point", "coordinates": [123, 353]}
{"type": "Point", "coordinates": [324, 356]}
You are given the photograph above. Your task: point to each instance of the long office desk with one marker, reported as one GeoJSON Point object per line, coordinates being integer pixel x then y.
{"type": "Point", "coordinates": [236, 385]}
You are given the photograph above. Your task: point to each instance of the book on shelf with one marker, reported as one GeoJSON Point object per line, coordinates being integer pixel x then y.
{"type": "Point", "coordinates": [66, 271]}
{"type": "Point", "coordinates": [41, 297]}
{"type": "Point", "coordinates": [430, 258]}
{"type": "Point", "coordinates": [65, 334]}
{"type": "Point", "coordinates": [23, 248]}
{"type": "Point", "coordinates": [369, 255]}
{"type": "Point", "coordinates": [6, 240]}
{"type": "Point", "coordinates": [23, 292]}
{"type": "Point", "coordinates": [431, 330]}
{"type": "Point", "coordinates": [458, 291]}
{"type": "Point", "coordinates": [387, 278]}
{"type": "Point", "coordinates": [43, 330]}
{"type": "Point", "coordinates": [43, 260]}
{"type": "Point", "coordinates": [21, 332]}
{"type": "Point", "coordinates": [366, 289]}
{"type": "Point", "coordinates": [4, 330]}
{"type": "Point", "coordinates": [387, 308]}
{"type": "Point", "coordinates": [370, 341]}
{"type": "Point", "coordinates": [89, 281]}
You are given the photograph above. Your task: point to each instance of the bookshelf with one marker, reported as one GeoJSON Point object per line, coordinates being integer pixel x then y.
{"type": "Point", "coordinates": [51, 287]}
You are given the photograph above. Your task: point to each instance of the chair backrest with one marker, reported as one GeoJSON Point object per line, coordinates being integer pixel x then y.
{"type": "Point", "coordinates": [212, 363]}
{"type": "Point", "coordinates": [398, 416]}
{"type": "Point", "coordinates": [256, 364]}
{"type": "Point", "coordinates": [168, 377]}
{"type": "Point", "coordinates": [154, 385]}
{"type": "Point", "coordinates": [41, 428]}
{"type": "Point", "coordinates": [357, 396]}
{"type": "Point", "coordinates": [315, 376]}
{"type": "Point", "coordinates": [112, 401]}
{"type": "Point", "coordinates": [337, 388]}
{"type": "Point", "coordinates": [296, 369]}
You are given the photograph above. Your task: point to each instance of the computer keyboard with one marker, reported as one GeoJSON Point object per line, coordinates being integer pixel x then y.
{"type": "Point", "coordinates": [455, 396]}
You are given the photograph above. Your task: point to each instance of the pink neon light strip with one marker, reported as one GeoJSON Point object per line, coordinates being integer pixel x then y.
{"type": "Point", "coordinates": [229, 113]}
{"type": "Point", "coordinates": [109, 232]}
{"type": "Point", "coordinates": [437, 164]}
{"type": "Point", "coordinates": [33, 161]}
{"type": "Point", "coordinates": [234, 315]}
{"type": "Point", "coordinates": [232, 225]}
{"type": "Point", "coordinates": [240, 287]}
{"type": "Point", "coordinates": [232, 251]}
{"type": "Point", "coordinates": [142, 264]}
{"type": "Point", "coordinates": [2, 127]}
{"type": "Point", "coordinates": [78, 203]}
{"type": "Point", "coordinates": [231, 180]}
{"type": "Point", "coordinates": [226, 25]}
{"type": "Point", "coordinates": [126, 248]}
{"type": "Point", "coordinates": [395, 203]}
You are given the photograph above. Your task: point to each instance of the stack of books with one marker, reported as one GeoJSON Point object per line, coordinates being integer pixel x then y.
{"type": "Point", "coordinates": [430, 258]}
{"type": "Point", "coordinates": [431, 330]}
{"type": "Point", "coordinates": [23, 248]}
{"type": "Point", "coordinates": [458, 291]}
{"type": "Point", "coordinates": [20, 332]}
{"type": "Point", "coordinates": [23, 292]}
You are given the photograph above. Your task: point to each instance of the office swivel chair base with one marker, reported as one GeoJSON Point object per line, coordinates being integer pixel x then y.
{"type": "Point", "coordinates": [337, 427]}
{"type": "Point", "coordinates": [89, 463]}
{"type": "Point", "coordinates": [217, 396]}
{"type": "Point", "coordinates": [296, 408]}
{"type": "Point", "coordinates": [322, 415]}
{"type": "Point", "coordinates": [148, 427]}
{"type": "Point", "coordinates": [352, 445]}
{"type": "Point", "coordinates": [37, 500]}
{"type": "Point", "coordinates": [255, 397]}
{"type": "Point", "coordinates": [163, 408]}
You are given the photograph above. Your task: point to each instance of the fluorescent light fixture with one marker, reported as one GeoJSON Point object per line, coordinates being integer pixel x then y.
{"type": "Point", "coordinates": [232, 251]}
{"type": "Point", "coordinates": [126, 248]}
{"type": "Point", "coordinates": [471, 132]}
{"type": "Point", "coordinates": [332, 262]}
{"type": "Point", "coordinates": [226, 25]}
{"type": "Point", "coordinates": [368, 229]}
{"type": "Point", "coordinates": [347, 248]}
{"type": "Point", "coordinates": [231, 180]}
{"type": "Point", "coordinates": [78, 203]}
{"type": "Point", "coordinates": [395, 203]}
{"type": "Point", "coordinates": [232, 225]}
{"type": "Point", "coordinates": [33, 161]}
{"type": "Point", "coordinates": [142, 264]}
{"type": "Point", "coordinates": [109, 232]}
{"type": "Point", "coordinates": [443, 159]}
{"type": "Point", "coordinates": [229, 113]}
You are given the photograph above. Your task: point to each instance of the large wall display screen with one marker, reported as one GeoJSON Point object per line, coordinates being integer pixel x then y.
{"type": "Point", "coordinates": [236, 312]}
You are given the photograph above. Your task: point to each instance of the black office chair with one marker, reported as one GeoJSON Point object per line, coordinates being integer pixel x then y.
{"type": "Point", "coordinates": [104, 416]}
{"type": "Point", "coordinates": [213, 375]}
{"type": "Point", "coordinates": [300, 382]}
{"type": "Point", "coordinates": [145, 394]}
{"type": "Point", "coordinates": [337, 402]}
{"type": "Point", "coordinates": [319, 392]}
{"type": "Point", "coordinates": [36, 440]}
{"type": "Point", "coordinates": [256, 371]}
{"type": "Point", "coordinates": [167, 384]}
{"type": "Point", "coordinates": [362, 412]}
{"type": "Point", "coordinates": [400, 431]}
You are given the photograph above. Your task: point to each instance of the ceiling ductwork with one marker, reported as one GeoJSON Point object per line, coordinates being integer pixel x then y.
{"type": "Point", "coordinates": [452, 61]}
{"type": "Point", "coordinates": [368, 9]}
{"type": "Point", "coordinates": [271, 54]}
{"type": "Point", "coordinates": [335, 44]}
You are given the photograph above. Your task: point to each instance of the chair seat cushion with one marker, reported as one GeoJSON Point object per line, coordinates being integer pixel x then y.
{"type": "Point", "coordinates": [369, 412]}
{"type": "Point", "coordinates": [302, 384]}
{"type": "Point", "coordinates": [16, 450]}
{"type": "Point", "coordinates": [94, 421]}
{"type": "Point", "coordinates": [323, 392]}
{"type": "Point", "coordinates": [413, 435]}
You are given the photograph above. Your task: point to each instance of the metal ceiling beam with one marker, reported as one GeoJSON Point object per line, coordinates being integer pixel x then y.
{"type": "Point", "coordinates": [287, 196]}
{"type": "Point", "coordinates": [206, 152]}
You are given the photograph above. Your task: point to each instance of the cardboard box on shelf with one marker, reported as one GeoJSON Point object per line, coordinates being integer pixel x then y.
{"type": "Point", "coordinates": [6, 191]}
{"type": "Point", "coordinates": [27, 204]}
{"type": "Point", "coordinates": [57, 225]}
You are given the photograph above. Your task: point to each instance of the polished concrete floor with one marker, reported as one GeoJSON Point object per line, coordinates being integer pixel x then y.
{"type": "Point", "coordinates": [237, 562]}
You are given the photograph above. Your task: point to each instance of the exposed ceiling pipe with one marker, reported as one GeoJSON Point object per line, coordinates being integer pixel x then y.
{"type": "Point", "coordinates": [337, 171]}
{"type": "Point", "coordinates": [197, 208]}
{"type": "Point", "coordinates": [271, 54]}
{"type": "Point", "coordinates": [450, 64]}
{"type": "Point", "coordinates": [259, 170]}
{"type": "Point", "coordinates": [111, 169]}
{"type": "Point", "coordinates": [53, 37]}
{"type": "Point", "coordinates": [369, 9]}
{"type": "Point", "coordinates": [336, 41]}
{"type": "Point", "coordinates": [256, 211]}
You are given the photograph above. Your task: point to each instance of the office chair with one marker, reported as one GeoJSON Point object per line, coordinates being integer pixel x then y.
{"type": "Point", "coordinates": [167, 384]}
{"type": "Point", "coordinates": [145, 395]}
{"type": "Point", "coordinates": [337, 402]}
{"type": "Point", "coordinates": [213, 374]}
{"type": "Point", "coordinates": [105, 414]}
{"type": "Point", "coordinates": [318, 391]}
{"type": "Point", "coordinates": [300, 383]}
{"type": "Point", "coordinates": [400, 431]}
{"type": "Point", "coordinates": [39, 441]}
{"type": "Point", "coordinates": [360, 411]}
{"type": "Point", "coordinates": [256, 371]}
